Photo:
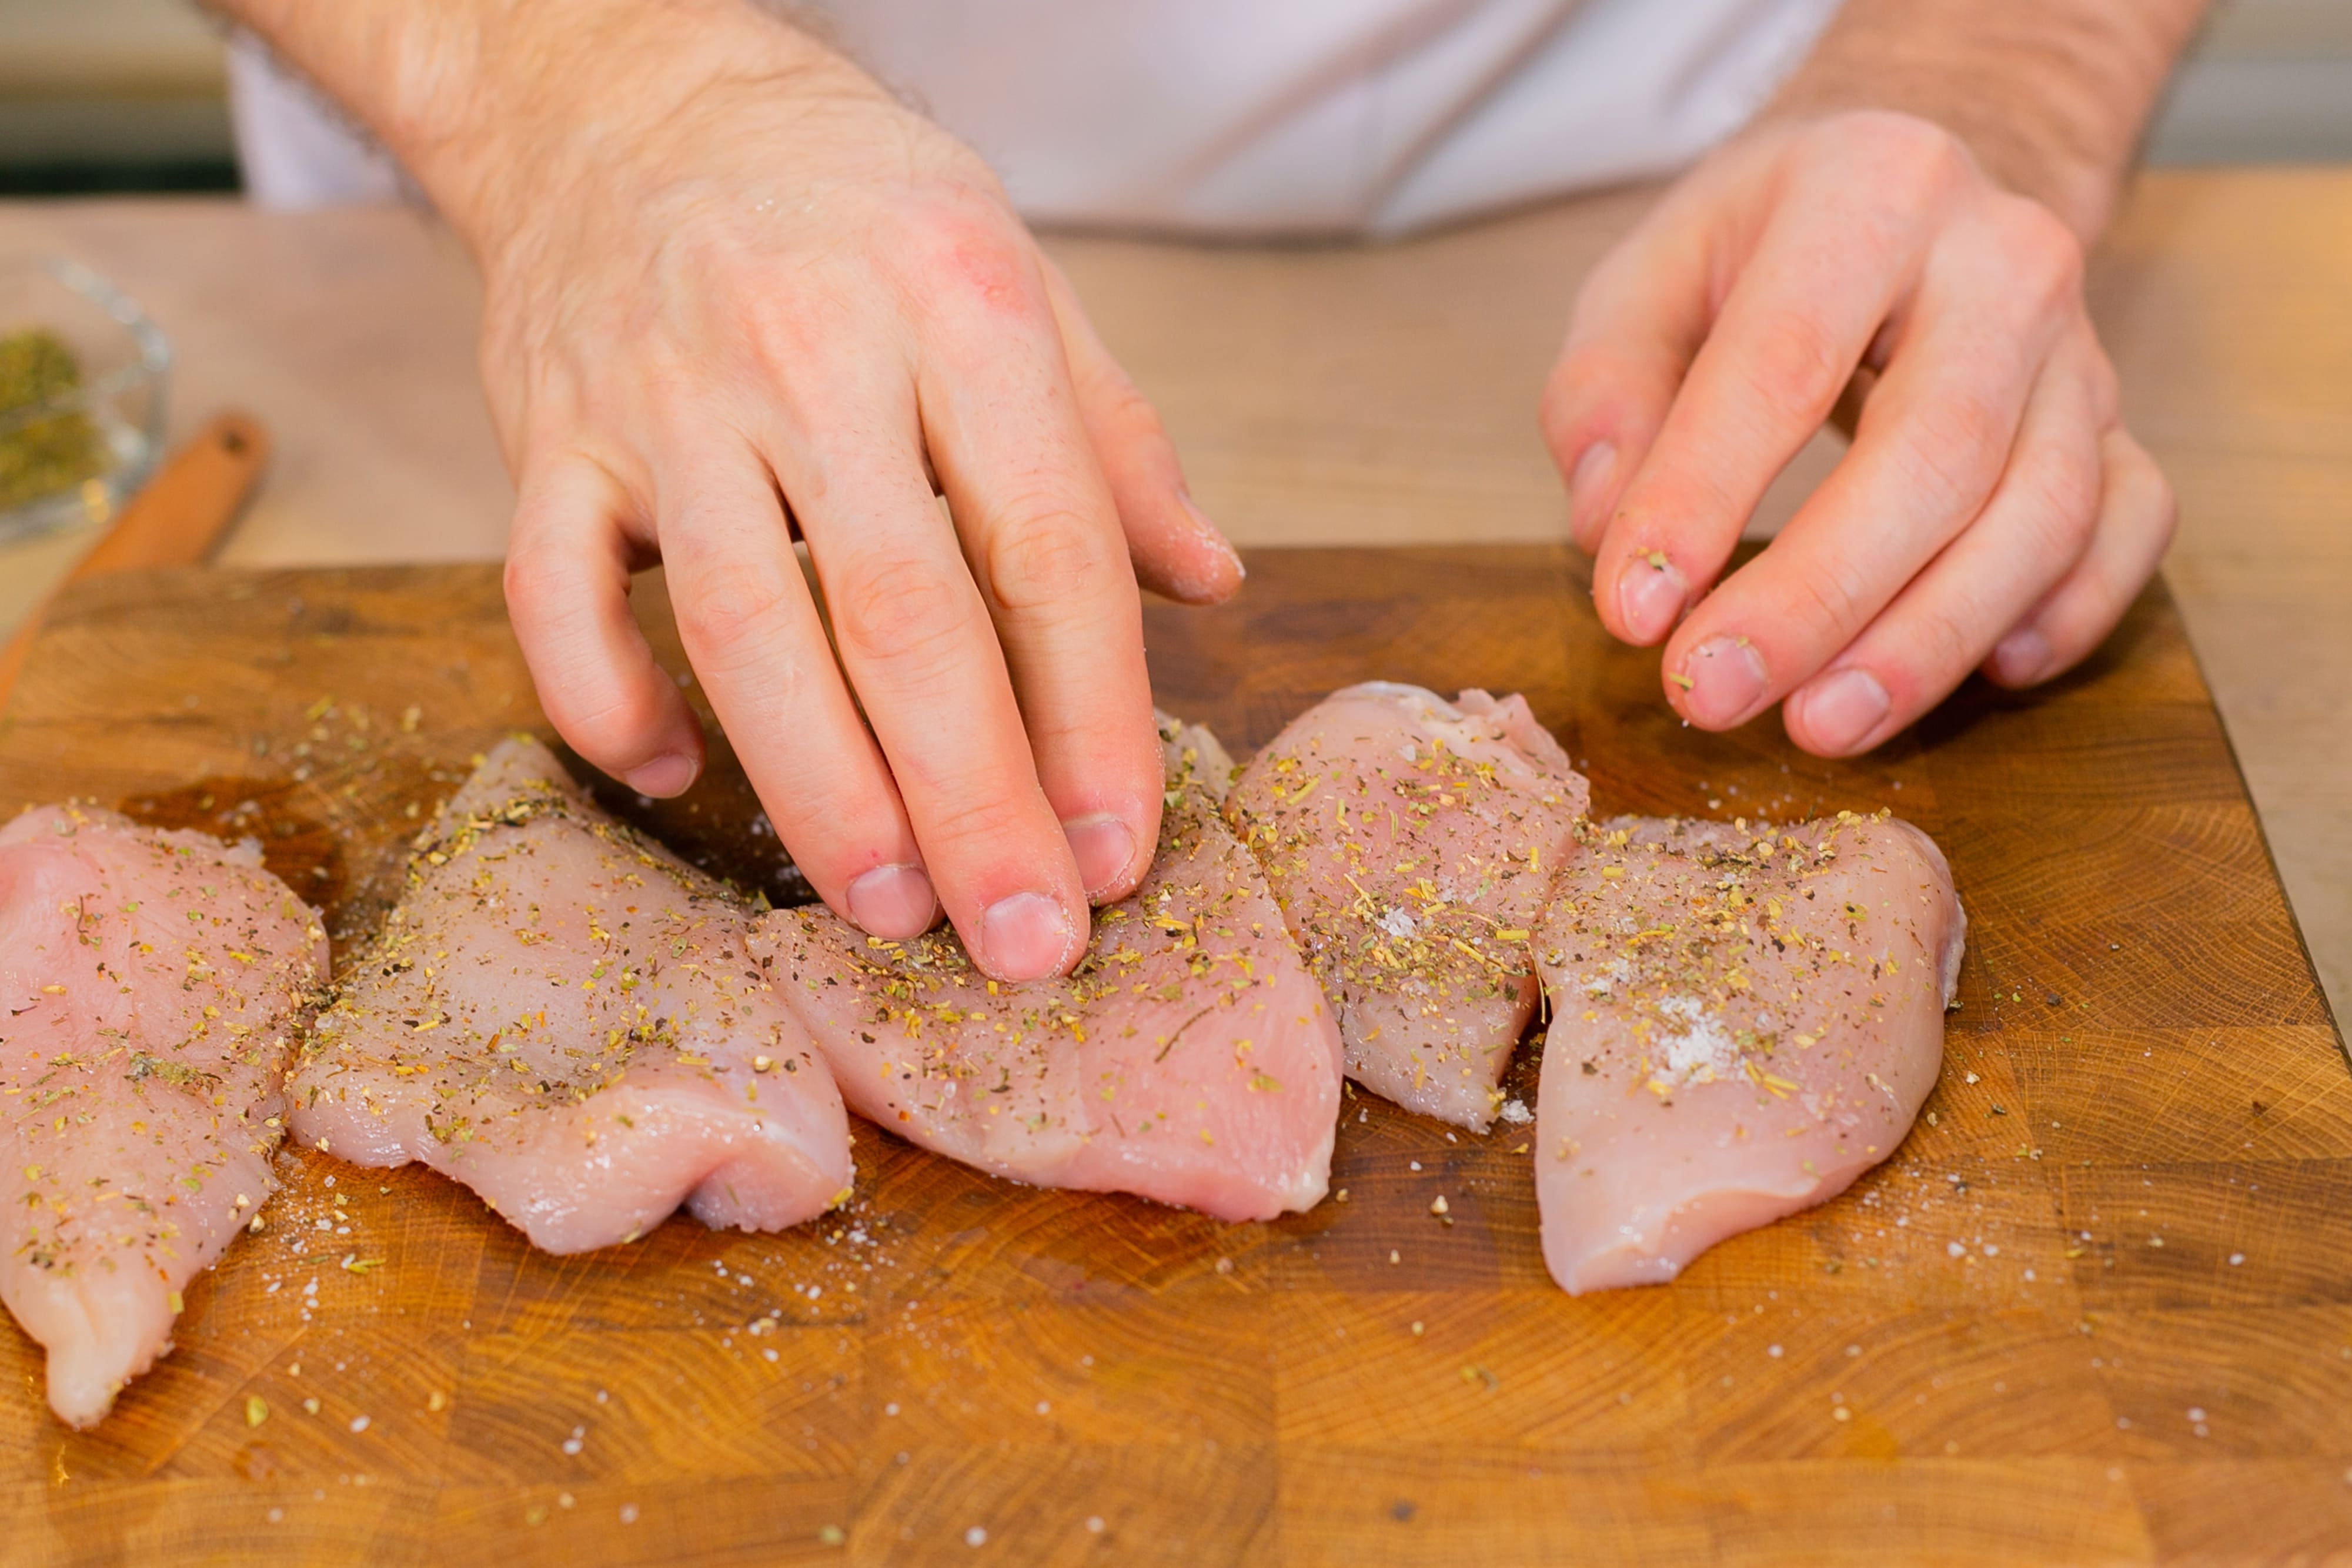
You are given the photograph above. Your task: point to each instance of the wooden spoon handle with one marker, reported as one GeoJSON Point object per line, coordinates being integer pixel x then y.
{"type": "Point", "coordinates": [183, 511]}
{"type": "Point", "coordinates": [174, 520]}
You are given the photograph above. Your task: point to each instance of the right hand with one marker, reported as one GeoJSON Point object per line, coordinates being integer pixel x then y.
{"type": "Point", "coordinates": [1992, 513]}
{"type": "Point", "coordinates": [730, 287]}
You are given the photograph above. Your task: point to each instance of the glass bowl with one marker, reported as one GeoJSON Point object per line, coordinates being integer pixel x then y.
{"type": "Point", "coordinates": [82, 375]}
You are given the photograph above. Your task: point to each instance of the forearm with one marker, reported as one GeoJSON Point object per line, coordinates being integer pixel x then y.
{"type": "Point", "coordinates": [492, 104]}
{"type": "Point", "coordinates": [2051, 95]}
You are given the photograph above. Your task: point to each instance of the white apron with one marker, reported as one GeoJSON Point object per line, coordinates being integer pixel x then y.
{"type": "Point", "coordinates": [1242, 116]}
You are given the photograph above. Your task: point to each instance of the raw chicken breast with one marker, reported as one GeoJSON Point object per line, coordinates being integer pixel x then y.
{"type": "Point", "coordinates": [562, 1015]}
{"type": "Point", "coordinates": [154, 983]}
{"type": "Point", "coordinates": [1743, 1022]}
{"type": "Point", "coordinates": [1410, 842]}
{"type": "Point", "coordinates": [1190, 1057]}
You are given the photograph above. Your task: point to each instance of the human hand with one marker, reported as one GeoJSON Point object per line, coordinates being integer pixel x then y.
{"type": "Point", "coordinates": [1993, 512]}
{"type": "Point", "coordinates": [731, 283]}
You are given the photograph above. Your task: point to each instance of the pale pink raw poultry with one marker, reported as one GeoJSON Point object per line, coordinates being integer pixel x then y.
{"type": "Point", "coordinates": [562, 1015]}
{"type": "Point", "coordinates": [1410, 842]}
{"type": "Point", "coordinates": [1189, 1058]}
{"type": "Point", "coordinates": [1744, 1019]}
{"type": "Point", "coordinates": [153, 982]}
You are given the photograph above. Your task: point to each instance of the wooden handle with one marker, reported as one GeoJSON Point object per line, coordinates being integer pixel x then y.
{"type": "Point", "coordinates": [174, 520]}
{"type": "Point", "coordinates": [183, 510]}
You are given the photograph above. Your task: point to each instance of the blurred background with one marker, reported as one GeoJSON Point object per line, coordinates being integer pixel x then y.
{"type": "Point", "coordinates": [128, 95]}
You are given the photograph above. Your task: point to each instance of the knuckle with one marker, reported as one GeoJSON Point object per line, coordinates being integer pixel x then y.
{"type": "Point", "coordinates": [1828, 605]}
{"type": "Point", "coordinates": [2063, 507]}
{"type": "Point", "coordinates": [963, 253]}
{"type": "Point", "coordinates": [2045, 255]}
{"type": "Point", "coordinates": [1124, 410]}
{"type": "Point", "coordinates": [531, 576]}
{"type": "Point", "coordinates": [1050, 556]}
{"type": "Point", "coordinates": [2167, 506]}
{"type": "Point", "coordinates": [800, 335]}
{"type": "Point", "coordinates": [898, 607]}
{"type": "Point", "coordinates": [615, 730]}
{"type": "Point", "coordinates": [2105, 388]}
{"type": "Point", "coordinates": [1915, 159]}
{"type": "Point", "coordinates": [729, 603]}
{"type": "Point", "coordinates": [1957, 445]}
{"type": "Point", "coordinates": [1566, 405]}
{"type": "Point", "coordinates": [1949, 639]}
{"type": "Point", "coordinates": [1940, 643]}
{"type": "Point", "coordinates": [986, 821]}
{"type": "Point", "coordinates": [1798, 364]}
{"type": "Point", "coordinates": [2160, 506]}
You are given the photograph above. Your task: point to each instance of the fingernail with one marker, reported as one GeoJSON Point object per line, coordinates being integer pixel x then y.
{"type": "Point", "coordinates": [1721, 680]}
{"type": "Point", "coordinates": [1023, 937]}
{"type": "Point", "coordinates": [1103, 846]}
{"type": "Point", "coordinates": [2021, 657]}
{"type": "Point", "coordinates": [1586, 482]}
{"type": "Point", "coordinates": [1840, 710]}
{"type": "Point", "coordinates": [1213, 535]}
{"type": "Point", "coordinates": [893, 902]}
{"type": "Point", "coordinates": [1650, 595]}
{"type": "Point", "coordinates": [664, 775]}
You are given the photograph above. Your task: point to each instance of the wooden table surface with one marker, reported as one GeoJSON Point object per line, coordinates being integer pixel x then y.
{"type": "Point", "coordinates": [1384, 395]}
{"type": "Point", "coordinates": [2097, 1309]}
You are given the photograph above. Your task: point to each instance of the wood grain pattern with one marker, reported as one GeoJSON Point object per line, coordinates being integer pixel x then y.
{"type": "Point", "coordinates": [2097, 1310]}
{"type": "Point", "coordinates": [173, 521]}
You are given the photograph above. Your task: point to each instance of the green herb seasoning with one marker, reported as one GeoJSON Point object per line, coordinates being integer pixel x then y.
{"type": "Point", "coordinates": [46, 455]}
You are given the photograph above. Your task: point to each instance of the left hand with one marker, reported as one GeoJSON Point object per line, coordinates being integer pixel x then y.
{"type": "Point", "coordinates": [1993, 512]}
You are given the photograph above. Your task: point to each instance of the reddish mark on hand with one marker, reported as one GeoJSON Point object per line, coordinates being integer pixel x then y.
{"type": "Point", "coordinates": [994, 277]}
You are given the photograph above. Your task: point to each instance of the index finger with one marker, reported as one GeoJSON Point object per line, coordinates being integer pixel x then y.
{"type": "Point", "coordinates": [1840, 250]}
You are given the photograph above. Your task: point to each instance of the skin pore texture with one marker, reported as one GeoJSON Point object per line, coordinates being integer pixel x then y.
{"type": "Point", "coordinates": [733, 289]}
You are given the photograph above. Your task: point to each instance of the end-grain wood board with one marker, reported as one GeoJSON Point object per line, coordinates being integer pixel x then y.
{"type": "Point", "coordinates": [2097, 1308]}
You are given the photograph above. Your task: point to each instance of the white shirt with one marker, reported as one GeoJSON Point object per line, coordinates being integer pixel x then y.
{"type": "Point", "coordinates": [1275, 117]}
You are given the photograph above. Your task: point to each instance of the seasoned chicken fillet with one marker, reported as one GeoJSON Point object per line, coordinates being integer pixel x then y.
{"type": "Point", "coordinates": [153, 981]}
{"type": "Point", "coordinates": [563, 1016]}
{"type": "Point", "coordinates": [1410, 842]}
{"type": "Point", "coordinates": [1190, 1057]}
{"type": "Point", "coordinates": [1743, 1022]}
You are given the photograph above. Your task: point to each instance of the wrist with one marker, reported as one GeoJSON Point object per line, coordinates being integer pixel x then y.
{"type": "Point", "coordinates": [2013, 153]}
{"type": "Point", "coordinates": [500, 111]}
{"type": "Point", "coordinates": [2049, 95]}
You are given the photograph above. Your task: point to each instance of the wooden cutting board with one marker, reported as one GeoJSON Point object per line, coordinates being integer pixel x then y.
{"type": "Point", "coordinates": [2097, 1309]}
